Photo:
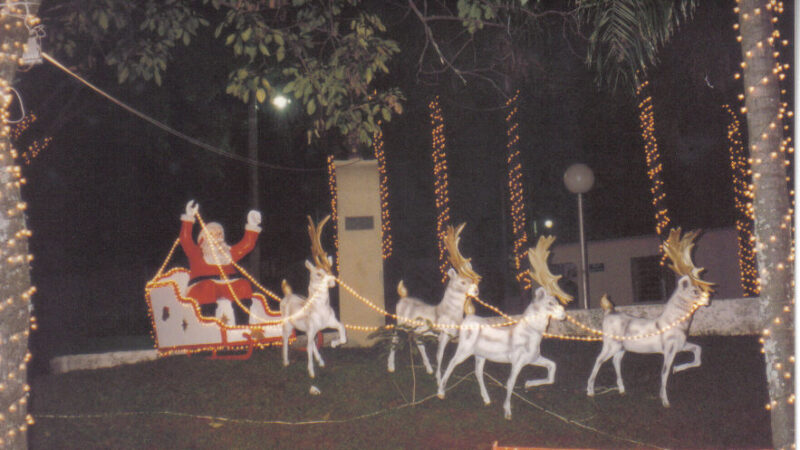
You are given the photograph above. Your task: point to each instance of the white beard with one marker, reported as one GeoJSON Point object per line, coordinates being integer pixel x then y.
{"type": "Point", "coordinates": [216, 254]}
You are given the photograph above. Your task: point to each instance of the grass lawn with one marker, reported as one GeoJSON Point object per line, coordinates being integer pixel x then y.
{"type": "Point", "coordinates": [194, 402]}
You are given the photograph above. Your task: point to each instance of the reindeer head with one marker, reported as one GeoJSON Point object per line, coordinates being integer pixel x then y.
{"type": "Point", "coordinates": [541, 274]}
{"type": "Point", "coordinates": [546, 305]}
{"type": "Point", "coordinates": [321, 271]}
{"type": "Point", "coordinates": [462, 278]}
{"type": "Point", "coordinates": [679, 251]}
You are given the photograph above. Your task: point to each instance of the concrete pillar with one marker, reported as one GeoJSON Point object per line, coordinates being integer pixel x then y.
{"type": "Point", "coordinates": [360, 261]}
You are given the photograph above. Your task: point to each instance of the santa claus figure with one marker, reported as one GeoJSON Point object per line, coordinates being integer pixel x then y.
{"type": "Point", "coordinates": [211, 257]}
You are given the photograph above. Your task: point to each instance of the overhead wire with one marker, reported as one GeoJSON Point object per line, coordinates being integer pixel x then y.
{"type": "Point", "coordinates": [172, 131]}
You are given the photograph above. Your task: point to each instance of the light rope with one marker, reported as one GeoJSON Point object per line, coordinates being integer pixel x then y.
{"type": "Point", "coordinates": [509, 321]}
{"type": "Point", "coordinates": [418, 323]}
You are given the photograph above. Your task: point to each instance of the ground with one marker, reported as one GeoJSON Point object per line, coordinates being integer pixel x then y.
{"type": "Point", "coordinates": [194, 402]}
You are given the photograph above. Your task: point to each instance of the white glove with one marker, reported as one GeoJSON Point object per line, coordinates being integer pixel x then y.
{"type": "Point", "coordinates": [253, 221]}
{"type": "Point", "coordinates": [191, 210]}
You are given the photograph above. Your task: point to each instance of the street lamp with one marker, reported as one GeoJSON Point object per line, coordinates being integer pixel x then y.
{"type": "Point", "coordinates": [280, 102]}
{"type": "Point", "coordinates": [579, 179]}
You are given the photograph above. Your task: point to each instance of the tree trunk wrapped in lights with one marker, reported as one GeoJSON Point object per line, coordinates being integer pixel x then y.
{"type": "Point", "coordinates": [743, 200]}
{"type": "Point", "coordinates": [655, 167]}
{"type": "Point", "coordinates": [440, 181]}
{"type": "Point", "coordinates": [773, 219]}
{"type": "Point", "coordinates": [516, 193]}
{"type": "Point", "coordinates": [15, 281]}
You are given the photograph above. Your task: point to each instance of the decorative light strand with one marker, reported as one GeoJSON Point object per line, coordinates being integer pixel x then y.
{"type": "Point", "coordinates": [516, 194]}
{"type": "Point", "coordinates": [386, 223]}
{"type": "Point", "coordinates": [440, 181]}
{"type": "Point", "coordinates": [772, 148]}
{"type": "Point", "coordinates": [743, 201]}
{"type": "Point", "coordinates": [14, 420]}
{"type": "Point", "coordinates": [655, 167]}
{"type": "Point", "coordinates": [34, 148]}
{"type": "Point", "coordinates": [334, 213]}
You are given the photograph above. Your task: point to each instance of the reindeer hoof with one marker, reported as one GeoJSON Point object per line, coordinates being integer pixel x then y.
{"type": "Point", "coordinates": [487, 402]}
{"type": "Point", "coordinates": [507, 416]}
{"type": "Point", "coordinates": [590, 393]}
{"type": "Point", "coordinates": [440, 395]}
{"type": "Point", "coordinates": [286, 364]}
{"type": "Point", "coordinates": [390, 370]}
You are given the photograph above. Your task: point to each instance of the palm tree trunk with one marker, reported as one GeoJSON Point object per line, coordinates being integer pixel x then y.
{"type": "Point", "coordinates": [772, 212]}
{"type": "Point", "coordinates": [15, 281]}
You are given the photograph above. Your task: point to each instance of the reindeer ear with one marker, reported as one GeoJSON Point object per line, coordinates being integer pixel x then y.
{"type": "Point", "coordinates": [330, 260]}
{"type": "Point", "coordinates": [685, 282]}
{"type": "Point", "coordinates": [309, 266]}
{"type": "Point", "coordinates": [451, 273]}
{"type": "Point", "coordinates": [540, 293]}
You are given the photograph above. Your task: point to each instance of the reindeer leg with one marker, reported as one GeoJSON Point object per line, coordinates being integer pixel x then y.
{"type": "Point", "coordinates": [443, 339]}
{"type": "Point", "coordinates": [390, 361]}
{"type": "Point", "coordinates": [342, 338]}
{"type": "Point", "coordinates": [457, 359]}
{"type": "Point", "coordinates": [425, 360]}
{"type": "Point", "coordinates": [689, 347]}
{"type": "Point", "coordinates": [287, 329]}
{"type": "Point", "coordinates": [541, 361]}
{"type": "Point", "coordinates": [606, 353]}
{"type": "Point", "coordinates": [311, 347]}
{"type": "Point", "coordinates": [617, 361]}
{"type": "Point", "coordinates": [669, 355]}
{"type": "Point", "coordinates": [479, 363]}
{"type": "Point", "coordinates": [516, 367]}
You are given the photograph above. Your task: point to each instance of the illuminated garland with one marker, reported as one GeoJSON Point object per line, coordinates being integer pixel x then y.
{"type": "Point", "coordinates": [743, 201]}
{"type": "Point", "coordinates": [14, 417]}
{"type": "Point", "coordinates": [334, 213]}
{"type": "Point", "coordinates": [516, 194]}
{"type": "Point", "coordinates": [655, 167]}
{"type": "Point", "coordinates": [37, 146]}
{"type": "Point", "coordinates": [440, 181]}
{"type": "Point", "coordinates": [386, 225]}
{"type": "Point", "coordinates": [762, 154]}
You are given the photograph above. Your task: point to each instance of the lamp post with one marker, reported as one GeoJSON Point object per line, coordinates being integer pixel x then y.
{"type": "Point", "coordinates": [579, 178]}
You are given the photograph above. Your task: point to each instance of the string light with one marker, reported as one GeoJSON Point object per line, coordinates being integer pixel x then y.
{"type": "Point", "coordinates": [442, 196]}
{"type": "Point", "coordinates": [15, 420]}
{"type": "Point", "coordinates": [34, 148]}
{"type": "Point", "coordinates": [655, 167]}
{"type": "Point", "coordinates": [386, 225]}
{"type": "Point", "coordinates": [743, 202]}
{"type": "Point", "coordinates": [516, 193]}
{"type": "Point", "coordinates": [334, 213]}
{"type": "Point", "coordinates": [767, 161]}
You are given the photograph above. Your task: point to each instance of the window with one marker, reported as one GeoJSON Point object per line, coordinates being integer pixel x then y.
{"type": "Point", "coordinates": [652, 282]}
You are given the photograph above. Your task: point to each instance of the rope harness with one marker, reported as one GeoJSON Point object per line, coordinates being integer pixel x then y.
{"type": "Point", "coordinates": [266, 322]}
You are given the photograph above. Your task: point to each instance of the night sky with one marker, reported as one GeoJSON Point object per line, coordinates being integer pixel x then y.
{"type": "Point", "coordinates": [106, 196]}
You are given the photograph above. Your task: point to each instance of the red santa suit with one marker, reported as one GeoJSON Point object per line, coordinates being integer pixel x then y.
{"type": "Point", "coordinates": [206, 284]}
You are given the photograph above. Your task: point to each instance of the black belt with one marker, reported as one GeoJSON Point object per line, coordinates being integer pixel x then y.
{"type": "Point", "coordinates": [213, 277]}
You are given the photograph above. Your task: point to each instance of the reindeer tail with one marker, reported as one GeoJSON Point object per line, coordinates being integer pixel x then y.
{"type": "Point", "coordinates": [606, 304]}
{"type": "Point", "coordinates": [401, 289]}
{"type": "Point", "coordinates": [286, 288]}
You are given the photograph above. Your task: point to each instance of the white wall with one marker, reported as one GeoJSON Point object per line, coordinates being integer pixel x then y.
{"type": "Point", "coordinates": [716, 250]}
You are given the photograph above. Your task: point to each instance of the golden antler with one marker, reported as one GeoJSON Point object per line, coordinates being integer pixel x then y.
{"type": "Point", "coordinates": [539, 271]}
{"type": "Point", "coordinates": [679, 251]}
{"type": "Point", "coordinates": [460, 264]}
{"type": "Point", "coordinates": [317, 252]}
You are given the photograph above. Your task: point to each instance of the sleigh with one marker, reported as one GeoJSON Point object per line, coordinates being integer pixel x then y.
{"type": "Point", "coordinates": [178, 326]}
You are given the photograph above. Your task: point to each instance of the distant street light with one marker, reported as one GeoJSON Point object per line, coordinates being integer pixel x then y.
{"type": "Point", "coordinates": [280, 102]}
{"type": "Point", "coordinates": [548, 223]}
{"type": "Point", "coordinates": [579, 178]}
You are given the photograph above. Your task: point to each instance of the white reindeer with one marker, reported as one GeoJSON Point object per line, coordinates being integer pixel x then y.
{"type": "Point", "coordinates": [665, 334]}
{"type": "Point", "coordinates": [518, 344]}
{"type": "Point", "coordinates": [463, 282]}
{"type": "Point", "coordinates": [315, 313]}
